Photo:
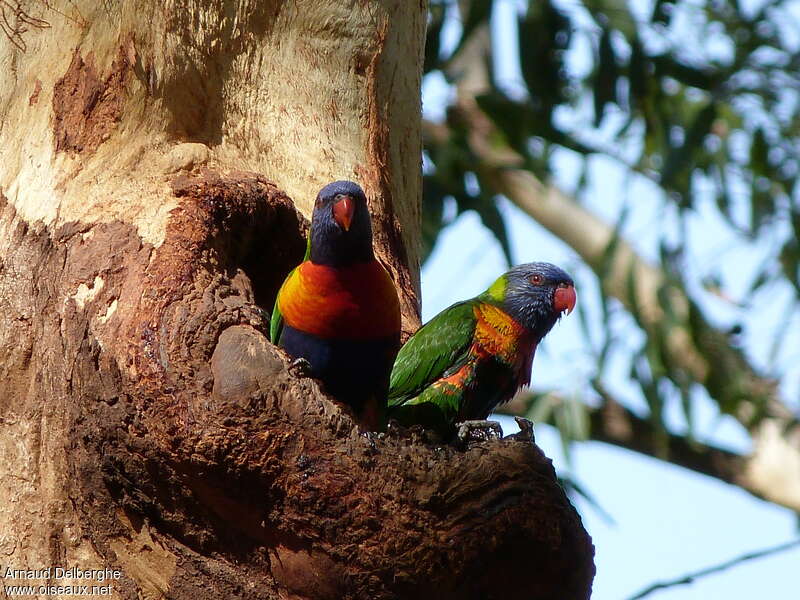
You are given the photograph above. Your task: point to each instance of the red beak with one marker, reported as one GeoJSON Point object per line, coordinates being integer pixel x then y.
{"type": "Point", "coordinates": [564, 299]}
{"type": "Point", "coordinates": [343, 210]}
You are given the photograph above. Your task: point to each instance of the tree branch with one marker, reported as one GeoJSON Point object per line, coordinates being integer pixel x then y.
{"type": "Point", "coordinates": [691, 577]}
{"type": "Point", "coordinates": [614, 424]}
{"type": "Point", "coordinates": [15, 22]}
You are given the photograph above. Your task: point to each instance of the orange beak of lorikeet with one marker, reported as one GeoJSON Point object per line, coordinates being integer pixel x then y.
{"type": "Point", "coordinates": [343, 209]}
{"type": "Point", "coordinates": [564, 298]}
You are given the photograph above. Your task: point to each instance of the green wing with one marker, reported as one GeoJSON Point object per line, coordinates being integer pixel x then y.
{"type": "Point", "coordinates": [438, 348]}
{"type": "Point", "coordinates": [276, 321]}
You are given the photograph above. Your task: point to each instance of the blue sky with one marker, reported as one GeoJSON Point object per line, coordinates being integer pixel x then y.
{"type": "Point", "coordinates": [669, 521]}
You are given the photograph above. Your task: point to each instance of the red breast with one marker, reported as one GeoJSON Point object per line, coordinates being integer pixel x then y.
{"type": "Point", "coordinates": [354, 302]}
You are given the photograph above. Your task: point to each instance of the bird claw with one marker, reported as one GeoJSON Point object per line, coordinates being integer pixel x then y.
{"type": "Point", "coordinates": [300, 367]}
{"type": "Point", "coordinates": [479, 431]}
{"type": "Point", "coordinates": [525, 433]}
{"type": "Point", "coordinates": [369, 438]}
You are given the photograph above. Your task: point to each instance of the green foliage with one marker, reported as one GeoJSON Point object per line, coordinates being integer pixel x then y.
{"type": "Point", "coordinates": [433, 36]}
{"type": "Point", "coordinates": [606, 78]}
{"type": "Point", "coordinates": [454, 169]}
{"type": "Point", "coordinates": [544, 34]}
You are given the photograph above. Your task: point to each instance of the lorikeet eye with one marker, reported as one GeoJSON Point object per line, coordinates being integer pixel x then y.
{"type": "Point", "coordinates": [536, 279]}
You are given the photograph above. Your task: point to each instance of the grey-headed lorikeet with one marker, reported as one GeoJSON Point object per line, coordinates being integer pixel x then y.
{"type": "Point", "coordinates": [476, 354]}
{"type": "Point", "coordinates": [338, 310]}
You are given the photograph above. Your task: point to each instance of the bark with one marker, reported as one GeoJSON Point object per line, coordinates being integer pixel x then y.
{"type": "Point", "coordinates": [154, 160]}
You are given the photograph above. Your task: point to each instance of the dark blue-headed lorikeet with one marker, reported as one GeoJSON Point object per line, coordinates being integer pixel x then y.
{"type": "Point", "coordinates": [476, 354]}
{"type": "Point", "coordinates": [338, 310]}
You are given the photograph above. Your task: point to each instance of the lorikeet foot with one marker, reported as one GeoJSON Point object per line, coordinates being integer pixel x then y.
{"type": "Point", "coordinates": [300, 367]}
{"type": "Point", "coordinates": [525, 433]}
{"type": "Point", "coordinates": [369, 438]}
{"type": "Point", "coordinates": [478, 431]}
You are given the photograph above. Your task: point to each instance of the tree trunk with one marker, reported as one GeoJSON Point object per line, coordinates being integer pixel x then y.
{"type": "Point", "coordinates": [148, 155]}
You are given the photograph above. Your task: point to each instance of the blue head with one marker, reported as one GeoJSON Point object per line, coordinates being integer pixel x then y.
{"type": "Point", "coordinates": [535, 295]}
{"type": "Point", "coordinates": [341, 233]}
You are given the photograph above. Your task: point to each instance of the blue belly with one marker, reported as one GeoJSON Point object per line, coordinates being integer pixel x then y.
{"type": "Point", "coordinates": [352, 371]}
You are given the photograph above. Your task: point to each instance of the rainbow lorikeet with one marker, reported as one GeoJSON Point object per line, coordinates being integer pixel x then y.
{"type": "Point", "coordinates": [338, 310]}
{"type": "Point", "coordinates": [476, 354]}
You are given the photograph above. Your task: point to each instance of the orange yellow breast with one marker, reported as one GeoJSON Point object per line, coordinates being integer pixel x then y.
{"type": "Point", "coordinates": [499, 335]}
{"type": "Point", "coordinates": [356, 302]}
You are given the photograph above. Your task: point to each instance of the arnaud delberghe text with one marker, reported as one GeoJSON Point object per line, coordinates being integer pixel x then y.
{"type": "Point", "coordinates": [99, 575]}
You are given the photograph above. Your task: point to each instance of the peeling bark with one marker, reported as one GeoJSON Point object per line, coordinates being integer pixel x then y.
{"type": "Point", "coordinates": [86, 108]}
